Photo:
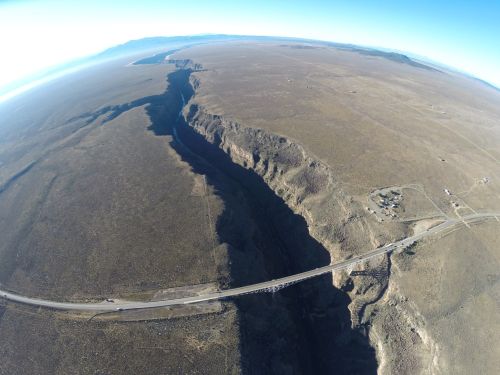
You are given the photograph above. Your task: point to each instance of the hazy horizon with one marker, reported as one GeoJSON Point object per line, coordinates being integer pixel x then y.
{"type": "Point", "coordinates": [50, 32]}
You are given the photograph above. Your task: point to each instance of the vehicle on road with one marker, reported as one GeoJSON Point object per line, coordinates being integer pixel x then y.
{"type": "Point", "coordinates": [259, 287]}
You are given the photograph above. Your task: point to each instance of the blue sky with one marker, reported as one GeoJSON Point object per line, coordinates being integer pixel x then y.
{"type": "Point", "coordinates": [36, 34]}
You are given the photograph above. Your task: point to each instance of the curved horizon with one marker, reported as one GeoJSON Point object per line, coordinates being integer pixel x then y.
{"type": "Point", "coordinates": [26, 83]}
{"type": "Point", "coordinates": [43, 34]}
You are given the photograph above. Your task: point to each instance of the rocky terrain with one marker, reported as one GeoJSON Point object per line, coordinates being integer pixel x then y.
{"type": "Point", "coordinates": [275, 139]}
{"type": "Point", "coordinates": [96, 207]}
{"type": "Point", "coordinates": [230, 164]}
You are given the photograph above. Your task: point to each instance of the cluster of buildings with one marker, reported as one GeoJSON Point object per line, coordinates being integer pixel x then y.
{"type": "Point", "coordinates": [391, 199]}
{"type": "Point", "coordinates": [387, 202]}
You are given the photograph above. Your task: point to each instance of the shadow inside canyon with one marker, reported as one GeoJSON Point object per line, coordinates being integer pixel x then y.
{"type": "Point", "coordinates": [305, 328]}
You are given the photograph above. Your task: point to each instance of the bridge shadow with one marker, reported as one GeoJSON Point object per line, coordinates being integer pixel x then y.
{"type": "Point", "coordinates": [304, 328]}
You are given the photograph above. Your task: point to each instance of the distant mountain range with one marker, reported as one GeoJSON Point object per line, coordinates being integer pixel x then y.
{"type": "Point", "coordinates": [129, 48]}
{"type": "Point", "coordinates": [154, 43]}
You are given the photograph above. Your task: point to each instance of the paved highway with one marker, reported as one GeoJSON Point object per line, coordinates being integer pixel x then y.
{"type": "Point", "coordinates": [264, 286]}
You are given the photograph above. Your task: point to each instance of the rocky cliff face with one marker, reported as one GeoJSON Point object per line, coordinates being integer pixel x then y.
{"type": "Point", "coordinates": [302, 181]}
{"type": "Point", "coordinates": [340, 224]}
{"type": "Point", "coordinates": [309, 188]}
{"type": "Point", "coordinates": [282, 186]}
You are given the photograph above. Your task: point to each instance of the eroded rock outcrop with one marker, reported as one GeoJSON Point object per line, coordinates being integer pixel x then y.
{"type": "Point", "coordinates": [334, 218]}
{"type": "Point", "coordinates": [300, 180]}
{"type": "Point", "coordinates": [309, 188]}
